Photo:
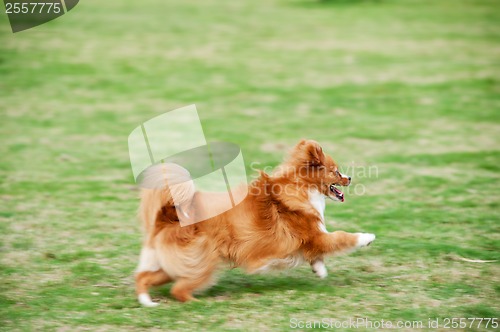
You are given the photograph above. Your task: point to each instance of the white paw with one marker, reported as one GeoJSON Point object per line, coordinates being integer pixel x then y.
{"type": "Point", "coordinates": [365, 239]}
{"type": "Point", "coordinates": [319, 269]}
{"type": "Point", "coordinates": [145, 300]}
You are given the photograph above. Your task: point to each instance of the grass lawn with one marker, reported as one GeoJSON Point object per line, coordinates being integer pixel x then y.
{"type": "Point", "coordinates": [407, 89]}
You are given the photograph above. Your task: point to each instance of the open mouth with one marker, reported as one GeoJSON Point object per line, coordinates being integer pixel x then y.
{"type": "Point", "coordinates": [338, 194]}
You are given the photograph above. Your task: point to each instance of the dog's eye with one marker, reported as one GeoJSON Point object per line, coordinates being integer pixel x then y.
{"type": "Point", "coordinates": [337, 172]}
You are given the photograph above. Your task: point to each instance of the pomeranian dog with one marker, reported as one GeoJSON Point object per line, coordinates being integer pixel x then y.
{"type": "Point", "coordinates": [279, 224]}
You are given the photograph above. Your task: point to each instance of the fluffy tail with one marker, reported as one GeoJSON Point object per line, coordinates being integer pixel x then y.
{"type": "Point", "coordinates": [164, 184]}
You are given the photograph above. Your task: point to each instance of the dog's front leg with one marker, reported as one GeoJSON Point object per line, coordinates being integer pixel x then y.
{"type": "Point", "coordinates": [319, 268]}
{"type": "Point", "coordinates": [338, 242]}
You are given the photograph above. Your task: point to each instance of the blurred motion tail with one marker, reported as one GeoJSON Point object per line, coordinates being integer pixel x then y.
{"type": "Point", "coordinates": [164, 185]}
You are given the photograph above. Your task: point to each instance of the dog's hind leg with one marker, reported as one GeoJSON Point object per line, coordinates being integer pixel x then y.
{"type": "Point", "coordinates": [183, 288]}
{"type": "Point", "coordinates": [149, 274]}
{"type": "Point", "coordinates": [146, 279]}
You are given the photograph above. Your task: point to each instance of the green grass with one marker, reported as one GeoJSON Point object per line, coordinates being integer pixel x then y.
{"type": "Point", "coordinates": [408, 87]}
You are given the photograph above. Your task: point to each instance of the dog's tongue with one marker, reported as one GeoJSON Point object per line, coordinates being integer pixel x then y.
{"type": "Point", "coordinates": [338, 193]}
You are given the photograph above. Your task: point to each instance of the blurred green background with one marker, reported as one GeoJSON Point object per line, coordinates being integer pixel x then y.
{"type": "Point", "coordinates": [409, 87]}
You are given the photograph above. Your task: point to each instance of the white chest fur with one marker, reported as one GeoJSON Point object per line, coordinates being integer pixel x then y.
{"type": "Point", "coordinates": [317, 200]}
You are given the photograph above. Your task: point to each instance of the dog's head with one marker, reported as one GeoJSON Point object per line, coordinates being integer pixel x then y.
{"type": "Point", "coordinates": [318, 170]}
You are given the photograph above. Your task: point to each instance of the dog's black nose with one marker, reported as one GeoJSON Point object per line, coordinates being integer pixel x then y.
{"type": "Point", "coordinates": [349, 179]}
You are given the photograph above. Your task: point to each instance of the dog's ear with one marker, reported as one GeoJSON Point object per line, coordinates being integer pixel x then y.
{"type": "Point", "coordinates": [311, 152]}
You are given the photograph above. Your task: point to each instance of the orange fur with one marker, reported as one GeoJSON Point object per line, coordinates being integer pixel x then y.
{"type": "Point", "coordinates": [274, 226]}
